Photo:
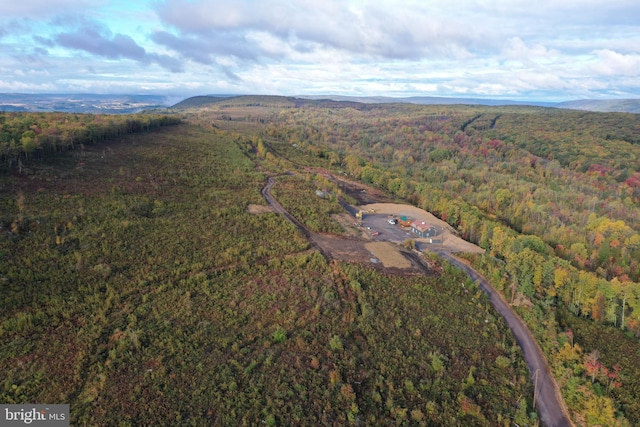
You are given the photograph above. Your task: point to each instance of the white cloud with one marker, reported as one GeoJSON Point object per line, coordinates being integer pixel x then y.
{"type": "Point", "coordinates": [361, 28]}
{"type": "Point", "coordinates": [502, 48]}
{"type": "Point", "coordinates": [35, 9]}
{"type": "Point", "coordinates": [16, 86]}
{"type": "Point", "coordinates": [536, 53]}
{"type": "Point", "coordinates": [539, 81]}
{"type": "Point", "coordinates": [611, 63]}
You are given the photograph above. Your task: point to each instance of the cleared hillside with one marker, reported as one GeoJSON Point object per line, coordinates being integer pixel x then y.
{"type": "Point", "coordinates": [138, 288]}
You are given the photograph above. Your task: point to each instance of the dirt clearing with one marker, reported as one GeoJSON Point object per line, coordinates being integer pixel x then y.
{"type": "Point", "coordinates": [388, 254]}
{"type": "Point", "coordinates": [449, 241]}
{"type": "Point", "coordinates": [382, 255]}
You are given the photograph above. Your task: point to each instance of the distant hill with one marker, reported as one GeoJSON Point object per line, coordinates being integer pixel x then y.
{"type": "Point", "coordinates": [82, 103]}
{"type": "Point", "coordinates": [599, 105]}
{"type": "Point", "coordinates": [265, 101]}
{"type": "Point", "coordinates": [335, 101]}
{"type": "Point", "coordinates": [430, 100]}
{"type": "Point", "coordinates": [236, 100]}
{"type": "Point", "coordinates": [198, 101]}
{"type": "Point", "coordinates": [604, 105]}
{"type": "Point", "coordinates": [610, 105]}
{"type": "Point", "coordinates": [129, 104]}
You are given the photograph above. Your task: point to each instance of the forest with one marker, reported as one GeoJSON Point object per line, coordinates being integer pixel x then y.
{"type": "Point", "coordinates": [138, 288]}
{"type": "Point", "coordinates": [27, 136]}
{"type": "Point", "coordinates": [552, 195]}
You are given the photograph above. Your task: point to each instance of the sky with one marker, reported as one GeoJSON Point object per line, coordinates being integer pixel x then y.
{"type": "Point", "coordinates": [536, 50]}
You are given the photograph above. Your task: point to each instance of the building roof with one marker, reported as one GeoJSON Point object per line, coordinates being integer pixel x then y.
{"type": "Point", "coordinates": [421, 226]}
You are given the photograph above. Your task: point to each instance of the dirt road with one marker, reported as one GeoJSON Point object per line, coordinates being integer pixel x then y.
{"type": "Point", "coordinates": [278, 208]}
{"type": "Point", "coordinates": [548, 400]}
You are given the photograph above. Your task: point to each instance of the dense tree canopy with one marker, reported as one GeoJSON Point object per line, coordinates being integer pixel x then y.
{"type": "Point", "coordinates": [25, 135]}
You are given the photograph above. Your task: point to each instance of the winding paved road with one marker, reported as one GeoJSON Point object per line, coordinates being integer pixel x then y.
{"type": "Point", "coordinates": [548, 400]}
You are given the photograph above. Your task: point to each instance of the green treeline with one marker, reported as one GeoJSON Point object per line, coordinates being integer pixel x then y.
{"type": "Point", "coordinates": [24, 136]}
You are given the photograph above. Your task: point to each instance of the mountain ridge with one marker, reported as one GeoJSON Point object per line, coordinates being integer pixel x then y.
{"type": "Point", "coordinates": [595, 105]}
{"type": "Point", "coordinates": [128, 104]}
